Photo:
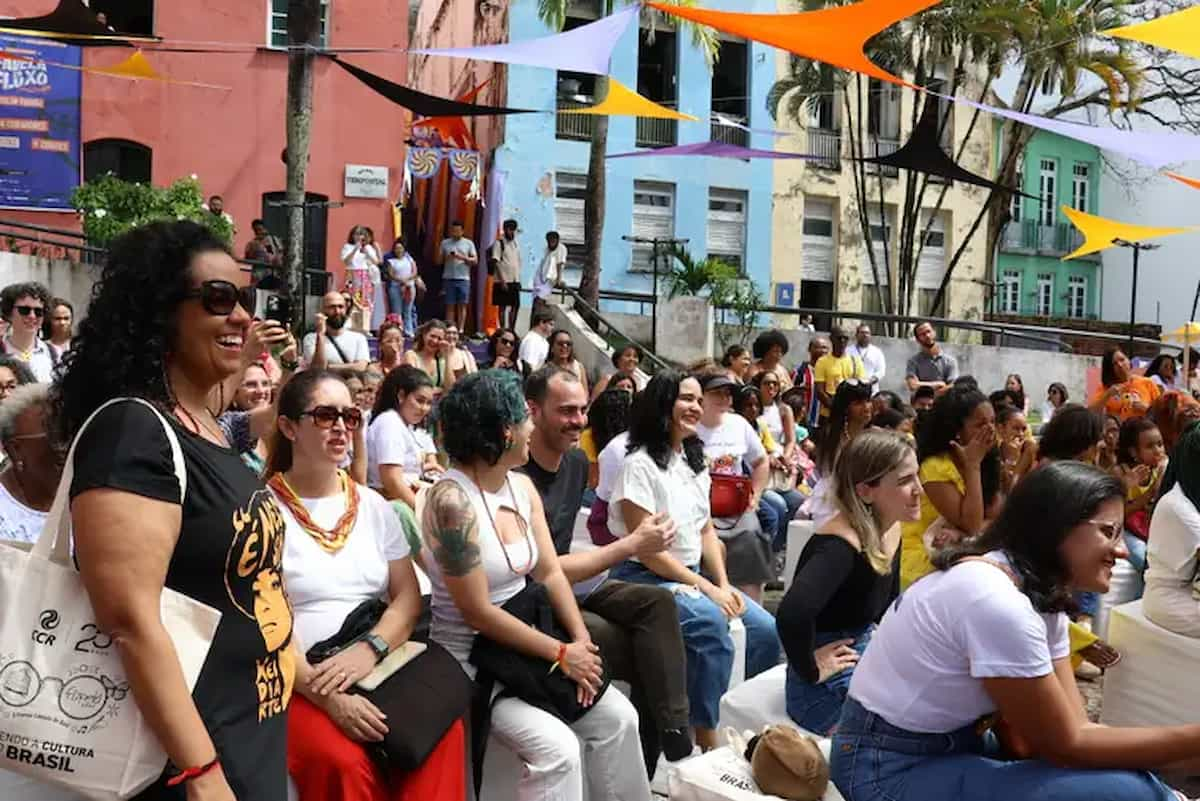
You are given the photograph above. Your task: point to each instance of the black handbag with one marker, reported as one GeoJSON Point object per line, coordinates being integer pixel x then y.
{"type": "Point", "coordinates": [526, 677]}
{"type": "Point", "coordinates": [421, 700]}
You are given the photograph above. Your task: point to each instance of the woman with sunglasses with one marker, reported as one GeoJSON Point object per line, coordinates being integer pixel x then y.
{"type": "Point", "coordinates": [487, 535]}
{"type": "Point", "coordinates": [562, 353]}
{"type": "Point", "coordinates": [24, 307]}
{"type": "Point", "coordinates": [982, 643]}
{"type": "Point", "coordinates": [429, 354]}
{"type": "Point", "coordinates": [503, 346]}
{"type": "Point", "coordinates": [344, 546]}
{"type": "Point", "coordinates": [225, 739]}
{"type": "Point", "coordinates": [400, 449]}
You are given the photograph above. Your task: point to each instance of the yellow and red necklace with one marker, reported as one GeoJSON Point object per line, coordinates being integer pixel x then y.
{"type": "Point", "coordinates": [331, 540]}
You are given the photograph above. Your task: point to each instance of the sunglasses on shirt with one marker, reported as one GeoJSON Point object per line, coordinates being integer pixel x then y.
{"type": "Point", "coordinates": [25, 311]}
{"type": "Point", "coordinates": [220, 298]}
{"type": "Point", "coordinates": [326, 416]}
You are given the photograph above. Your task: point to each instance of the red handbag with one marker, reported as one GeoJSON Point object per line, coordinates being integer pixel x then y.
{"type": "Point", "coordinates": [729, 495]}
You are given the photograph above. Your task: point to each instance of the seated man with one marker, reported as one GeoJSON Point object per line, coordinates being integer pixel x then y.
{"type": "Point", "coordinates": [636, 626]}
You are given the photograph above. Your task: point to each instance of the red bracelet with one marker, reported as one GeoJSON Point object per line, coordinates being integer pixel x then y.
{"type": "Point", "coordinates": [187, 774]}
{"type": "Point", "coordinates": [562, 658]}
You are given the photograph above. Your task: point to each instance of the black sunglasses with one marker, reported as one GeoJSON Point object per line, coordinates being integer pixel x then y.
{"type": "Point", "coordinates": [220, 298]}
{"type": "Point", "coordinates": [326, 416]}
{"type": "Point", "coordinates": [36, 311]}
{"type": "Point", "coordinates": [506, 341]}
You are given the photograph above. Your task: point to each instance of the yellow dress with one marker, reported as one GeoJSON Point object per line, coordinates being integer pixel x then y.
{"type": "Point", "coordinates": [914, 561]}
{"type": "Point", "coordinates": [587, 444]}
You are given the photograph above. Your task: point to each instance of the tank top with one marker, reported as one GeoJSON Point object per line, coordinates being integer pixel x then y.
{"type": "Point", "coordinates": [448, 627]}
{"type": "Point", "coordinates": [774, 422]}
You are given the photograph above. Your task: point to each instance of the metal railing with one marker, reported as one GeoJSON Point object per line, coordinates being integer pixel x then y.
{"type": "Point", "coordinates": [1032, 237]}
{"type": "Point", "coordinates": [607, 326]}
{"type": "Point", "coordinates": [653, 132]}
{"type": "Point", "coordinates": [825, 147]}
{"type": "Point", "coordinates": [573, 126]}
{"type": "Point", "coordinates": [728, 135]}
{"type": "Point", "coordinates": [883, 147]}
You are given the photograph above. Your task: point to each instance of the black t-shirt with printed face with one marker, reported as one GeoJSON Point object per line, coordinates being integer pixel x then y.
{"type": "Point", "coordinates": [562, 492]}
{"type": "Point", "coordinates": [228, 556]}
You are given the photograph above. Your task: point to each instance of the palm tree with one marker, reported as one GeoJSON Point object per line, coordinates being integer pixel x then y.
{"type": "Point", "coordinates": [554, 14]}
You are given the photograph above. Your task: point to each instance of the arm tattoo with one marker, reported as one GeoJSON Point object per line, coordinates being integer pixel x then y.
{"type": "Point", "coordinates": [450, 526]}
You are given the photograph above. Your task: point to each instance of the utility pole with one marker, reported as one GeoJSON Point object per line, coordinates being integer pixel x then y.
{"type": "Point", "coordinates": [1137, 247]}
{"type": "Point", "coordinates": [654, 243]}
{"type": "Point", "coordinates": [304, 36]}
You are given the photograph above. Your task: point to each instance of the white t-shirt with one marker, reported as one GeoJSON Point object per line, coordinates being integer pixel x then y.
{"type": "Point", "coordinates": [534, 350]}
{"type": "Point", "coordinates": [946, 633]}
{"type": "Point", "coordinates": [325, 587]}
{"type": "Point", "coordinates": [733, 447]}
{"type": "Point", "coordinates": [679, 492]}
{"type": "Point", "coordinates": [352, 343]}
{"type": "Point", "coordinates": [360, 260]}
{"type": "Point", "coordinates": [19, 523]}
{"type": "Point", "coordinates": [609, 462]}
{"type": "Point", "coordinates": [873, 360]}
{"type": "Point", "coordinates": [390, 440]}
{"type": "Point", "coordinates": [550, 272]}
{"type": "Point", "coordinates": [403, 268]}
{"type": "Point", "coordinates": [1171, 555]}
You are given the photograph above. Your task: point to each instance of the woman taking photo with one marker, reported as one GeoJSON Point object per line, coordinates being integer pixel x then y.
{"type": "Point", "coordinates": [429, 354]}
{"type": "Point", "coordinates": [344, 546]}
{"type": "Point", "coordinates": [562, 354]}
{"type": "Point", "coordinates": [984, 639]}
{"type": "Point", "coordinates": [665, 473]}
{"type": "Point", "coordinates": [230, 732]}
{"type": "Point", "coordinates": [391, 348]}
{"type": "Point", "coordinates": [1123, 394]}
{"type": "Point", "coordinates": [846, 576]}
{"type": "Point", "coordinates": [400, 449]}
{"type": "Point", "coordinates": [486, 533]}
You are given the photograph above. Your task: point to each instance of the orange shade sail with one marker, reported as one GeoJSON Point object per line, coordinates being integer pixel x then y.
{"type": "Point", "coordinates": [835, 36]}
{"type": "Point", "coordinates": [1194, 183]}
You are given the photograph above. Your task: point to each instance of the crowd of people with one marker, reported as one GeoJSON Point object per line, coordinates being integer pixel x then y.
{"type": "Point", "coordinates": [544, 532]}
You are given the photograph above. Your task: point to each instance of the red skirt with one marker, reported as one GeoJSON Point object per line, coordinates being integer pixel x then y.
{"type": "Point", "coordinates": [326, 765]}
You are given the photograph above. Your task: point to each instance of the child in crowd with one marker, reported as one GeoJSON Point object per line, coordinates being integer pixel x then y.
{"type": "Point", "coordinates": [1141, 463]}
{"type": "Point", "coordinates": [1018, 450]}
{"type": "Point", "coordinates": [1106, 453]}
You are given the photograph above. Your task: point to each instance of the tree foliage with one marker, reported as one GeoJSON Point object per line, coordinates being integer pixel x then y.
{"type": "Point", "coordinates": [109, 207]}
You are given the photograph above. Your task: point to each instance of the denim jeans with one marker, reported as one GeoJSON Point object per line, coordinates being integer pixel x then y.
{"type": "Point", "coordinates": [1137, 550]}
{"type": "Point", "coordinates": [707, 642]}
{"type": "Point", "coordinates": [1089, 603]}
{"type": "Point", "coordinates": [872, 760]}
{"type": "Point", "coordinates": [817, 707]}
{"type": "Point", "coordinates": [776, 509]}
{"type": "Point", "coordinates": [406, 309]}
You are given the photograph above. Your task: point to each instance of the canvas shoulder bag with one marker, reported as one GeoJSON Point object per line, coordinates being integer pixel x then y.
{"type": "Point", "coordinates": [67, 714]}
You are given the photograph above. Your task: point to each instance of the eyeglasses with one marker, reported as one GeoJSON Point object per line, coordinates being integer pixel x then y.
{"type": "Point", "coordinates": [219, 298]}
{"type": "Point", "coordinates": [326, 416]}
{"type": "Point", "coordinates": [36, 311]}
{"type": "Point", "coordinates": [506, 341]}
{"type": "Point", "coordinates": [1111, 529]}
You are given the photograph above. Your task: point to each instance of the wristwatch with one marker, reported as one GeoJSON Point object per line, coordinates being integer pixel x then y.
{"type": "Point", "coordinates": [378, 645]}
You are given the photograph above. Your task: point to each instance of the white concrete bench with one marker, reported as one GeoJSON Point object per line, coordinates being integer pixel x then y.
{"type": "Point", "coordinates": [1123, 588]}
{"type": "Point", "coordinates": [1153, 683]}
{"type": "Point", "coordinates": [799, 533]}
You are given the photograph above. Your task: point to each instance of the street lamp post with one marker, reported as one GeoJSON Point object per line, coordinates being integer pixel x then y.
{"type": "Point", "coordinates": [1137, 247]}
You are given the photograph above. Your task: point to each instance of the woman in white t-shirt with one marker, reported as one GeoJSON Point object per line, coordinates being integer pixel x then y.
{"type": "Point", "coordinates": [665, 473]}
{"type": "Point", "coordinates": [343, 545]}
{"type": "Point", "coordinates": [984, 639]}
{"type": "Point", "coordinates": [29, 478]}
{"type": "Point", "coordinates": [1172, 597]}
{"type": "Point", "coordinates": [400, 449]}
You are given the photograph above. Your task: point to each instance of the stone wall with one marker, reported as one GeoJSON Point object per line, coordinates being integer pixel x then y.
{"type": "Point", "coordinates": [65, 279]}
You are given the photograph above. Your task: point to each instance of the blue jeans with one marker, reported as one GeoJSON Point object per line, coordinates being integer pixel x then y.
{"type": "Point", "coordinates": [1137, 550]}
{"type": "Point", "coordinates": [817, 707]}
{"type": "Point", "coordinates": [458, 291]}
{"type": "Point", "coordinates": [776, 509]}
{"type": "Point", "coordinates": [1089, 603]}
{"type": "Point", "coordinates": [707, 642]}
{"type": "Point", "coordinates": [872, 760]}
{"type": "Point", "coordinates": [406, 310]}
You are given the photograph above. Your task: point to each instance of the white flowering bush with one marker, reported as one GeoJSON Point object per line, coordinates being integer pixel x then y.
{"type": "Point", "coordinates": [109, 207]}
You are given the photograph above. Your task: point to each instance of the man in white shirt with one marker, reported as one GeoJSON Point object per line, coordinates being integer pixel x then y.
{"type": "Point", "coordinates": [550, 272]}
{"type": "Point", "coordinates": [872, 358]}
{"type": "Point", "coordinates": [24, 307]}
{"type": "Point", "coordinates": [535, 347]}
{"type": "Point", "coordinates": [504, 261]}
{"type": "Point", "coordinates": [458, 258]}
{"type": "Point", "coordinates": [332, 346]}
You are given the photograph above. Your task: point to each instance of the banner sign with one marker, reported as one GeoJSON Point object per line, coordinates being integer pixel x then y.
{"type": "Point", "coordinates": [39, 123]}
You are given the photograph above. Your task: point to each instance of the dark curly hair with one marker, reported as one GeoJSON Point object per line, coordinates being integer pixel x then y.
{"type": "Point", "coordinates": [19, 369]}
{"type": "Point", "coordinates": [1130, 437]}
{"type": "Point", "coordinates": [650, 422]}
{"type": "Point", "coordinates": [1108, 367]}
{"type": "Point", "coordinates": [1035, 519]}
{"type": "Point", "coordinates": [1072, 430]}
{"type": "Point", "coordinates": [474, 414]}
{"type": "Point", "coordinates": [608, 416]}
{"type": "Point", "coordinates": [122, 344]}
{"type": "Point", "coordinates": [946, 420]}
{"type": "Point", "coordinates": [29, 289]}
{"type": "Point", "coordinates": [767, 340]}
{"type": "Point", "coordinates": [50, 309]}
{"type": "Point", "coordinates": [404, 378]}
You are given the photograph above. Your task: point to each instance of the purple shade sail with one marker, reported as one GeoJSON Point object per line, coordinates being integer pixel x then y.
{"type": "Point", "coordinates": [587, 48]}
{"type": "Point", "coordinates": [716, 150]}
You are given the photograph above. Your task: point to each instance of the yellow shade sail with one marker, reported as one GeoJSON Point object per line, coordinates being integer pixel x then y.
{"type": "Point", "coordinates": [136, 66]}
{"type": "Point", "coordinates": [623, 101]}
{"type": "Point", "coordinates": [1179, 32]}
{"type": "Point", "coordinates": [835, 36]}
{"type": "Point", "coordinates": [1188, 332]}
{"type": "Point", "coordinates": [1099, 232]}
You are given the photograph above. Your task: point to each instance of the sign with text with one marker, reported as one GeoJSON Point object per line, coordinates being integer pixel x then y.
{"type": "Point", "coordinates": [39, 123]}
{"type": "Point", "coordinates": [366, 181]}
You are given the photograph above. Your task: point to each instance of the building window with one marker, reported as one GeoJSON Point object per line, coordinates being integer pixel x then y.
{"type": "Point", "coordinates": [731, 93]}
{"type": "Point", "coordinates": [658, 62]}
{"type": "Point", "coordinates": [126, 16]}
{"type": "Point", "coordinates": [277, 24]}
{"type": "Point", "coordinates": [1077, 296]}
{"type": "Point", "coordinates": [126, 160]}
{"type": "Point", "coordinates": [570, 188]}
{"type": "Point", "coordinates": [1047, 191]}
{"type": "Point", "coordinates": [1045, 294]}
{"type": "Point", "coordinates": [726, 235]}
{"type": "Point", "coordinates": [1010, 292]}
{"type": "Point", "coordinates": [653, 218]}
{"type": "Point", "coordinates": [575, 90]}
{"type": "Point", "coordinates": [1079, 186]}
{"type": "Point", "coordinates": [316, 225]}
{"type": "Point", "coordinates": [1015, 200]}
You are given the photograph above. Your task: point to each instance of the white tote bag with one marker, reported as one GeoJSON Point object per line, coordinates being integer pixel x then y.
{"type": "Point", "coordinates": [67, 716]}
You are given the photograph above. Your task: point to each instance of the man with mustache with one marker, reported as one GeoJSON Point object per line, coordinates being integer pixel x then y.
{"type": "Point", "coordinates": [635, 625]}
{"type": "Point", "coordinates": [332, 346]}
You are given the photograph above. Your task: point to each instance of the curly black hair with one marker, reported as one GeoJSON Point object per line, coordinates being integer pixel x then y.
{"type": "Point", "coordinates": [608, 416]}
{"type": "Point", "coordinates": [650, 422]}
{"type": "Point", "coordinates": [474, 414]}
{"type": "Point", "coordinates": [122, 344]}
{"type": "Point", "coordinates": [946, 420]}
{"type": "Point", "coordinates": [19, 369]}
{"type": "Point", "coordinates": [1072, 431]}
{"type": "Point", "coordinates": [767, 340]}
{"type": "Point", "coordinates": [29, 289]}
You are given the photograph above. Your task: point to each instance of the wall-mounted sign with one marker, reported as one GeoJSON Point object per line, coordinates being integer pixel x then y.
{"type": "Point", "coordinates": [785, 295]}
{"type": "Point", "coordinates": [366, 181]}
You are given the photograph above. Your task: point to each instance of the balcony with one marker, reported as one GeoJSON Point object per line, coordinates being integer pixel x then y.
{"type": "Point", "coordinates": [877, 148]}
{"type": "Point", "coordinates": [577, 127]}
{"type": "Point", "coordinates": [727, 134]}
{"type": "Point", "coordinates": [825, 148]}
{"type": "Point", "coordinates": [653, 132]}
{"type": "Point", "coordinates": [1029, 237]}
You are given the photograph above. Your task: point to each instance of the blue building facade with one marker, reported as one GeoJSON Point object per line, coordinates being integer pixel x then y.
{"type": "Point", "coordinates": [722, 206]}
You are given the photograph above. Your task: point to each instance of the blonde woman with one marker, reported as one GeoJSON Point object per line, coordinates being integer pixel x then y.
{"type": "Point", "coordinates": [846, 576]}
